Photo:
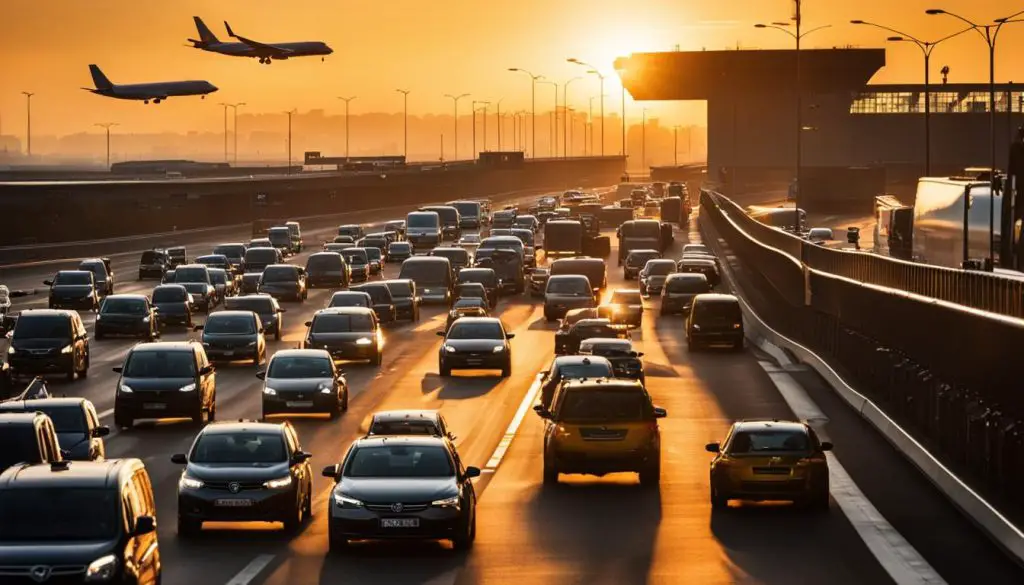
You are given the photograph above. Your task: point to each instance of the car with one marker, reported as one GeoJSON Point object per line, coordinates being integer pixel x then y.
{"type": "Point", "coordinates": [433, 276]}
{"type": "Point", "coordinates": [49, 341]}
{"type": "Point", "coordinates": [466, 307]}
{"type": "Point", "coordinates": [337, 246]}
{"type": "Point", "coordinates": [103, 277]}
{"type": "Point", "coordinates": [698, 248]}
{"type": "Point", "coordinates": [528, 222]}
{"type": "Point", "coordinates": [399, 251]}
{"type": "Point", "coordinates": [569, 336]}
{"type": "Point", "coordinates": [295, 231]}
{"type": "Point", "coordinates": [259, 243]}
{"type": "Point", "coordinates": [625, 360]}
{"type": "Point", "coordinates": [572, 367]}
{"type": "Point", "coordinates": [326, 269]}
{"type": "Point", "coordinates": [602, 426]}
{"type": "Point", "coordinates": [423, 229]}
{"type": "Point", "coordinates": [350, 298]}
{"type": "Point", "coordinates": [235, 253]}
{"type": "Point", "coordinates": [232, 335]}
{"type": "Point", "coordinates": [538, 281]}
{"type": "Point", "coordinates": [347, 333]}
{"type": "Point", "coordinates": [303, 380]}
{"type": "Point", "coordinates": [485, 276]}
{"type": "Point", "coordinates": [127, 315]}
{"type": "Point", "coordinates": [351, 230]}
{"type": "Point", "coordinates": [528, 237]}
{"type": "Point", "coordinates": [281, 237]}
{"type": "Point", "coordinates": [28, 437]}
{"type": "Point", "coordinates": [166, 379]}
{"type": "Point", "coordinates": [79, 433]}
{"type": "Point", "coordinates": [284, 281]}
{"type": "Point", "coordinates": [567, 291]}
{"type": "Point", "coordinates": [401, 487]}
{"type": "Point", "coordinates": [153, 264]}
{"type": "Point", "coordinates": [381, 301]}
{"type": "Point", "coordinates": [178, 256]}
{"type": "Point", "coordinates": [705, 265]}
{"type": "Point", "coordinates": [79, 522]}
{"type": "Point", "coordinates": [820, 235]}
{"type": "Point", "coordinates": [409, 422]}
{"type": "Point", "coordinates": [770, 460]}
{"type": "Point", "coordinates": [358, 262]}
{"type": "Point", "coordinates": [405, 298]}
{"type": "Point", "coordinates": [450, 218]}
{"type": "Point", "coordinates": [378, 240]}
{"type": "Point", "coordinates": [469, 242]}
{"type": "Point", "coordinates": [73, 289]}
{"type": "Point", "coordinates": [224, 283]}
{"type": "Point", "coordinates": [476, 343]}
{"type": "Point", "coordinates": [376, 259]}
{"type": "Point", "coordinates": [196, 279]}
{"type": "Point", "coordinates": [213, 261]}
{"type": "Point", "coordinates": [471, 290]}
{"type": "Point", "coordinates": [397, 226]}
{"type": "Point", "coordinates": [250, 283]}
{"type": "Point", "coordinates": [266, 307]}
{"type": "Point", "coordinates": [258, 258]}
{"type": "Point", "coordinates": [679, 291]}
{"type": "Point", "coordinates": [653, 275]}
{"type": "Point", "coordinates": [714, 319]}
{"type": "Point", "coordinates": [244, 471]}
{"type": "Point", "coordinates": [458, 257]}
{"type": "Point", "coordinates": [636, 260]}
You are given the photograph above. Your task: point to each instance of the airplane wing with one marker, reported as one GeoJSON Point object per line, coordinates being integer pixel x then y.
{"type": "Point", "coordinates": [268, 50]}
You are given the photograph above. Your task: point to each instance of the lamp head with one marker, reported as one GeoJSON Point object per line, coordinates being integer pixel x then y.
{"type": "Point", "coordinates": [856, 22]}
{"type": "Point", "coordinates": [934, 11]}
{"type": "Point", "coordinates": [895, 39]}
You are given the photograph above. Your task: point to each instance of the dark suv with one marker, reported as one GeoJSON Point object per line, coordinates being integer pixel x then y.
{"type": "Point", "coordinates": [79, 432]}
{"type": "Point", "coordinates": [73, 289]}
{"type": "Point", "coordinates": [28, 437]}
{"type": "Point", "coordinates": [165, 380]}
{"type": "Point", "coordinates": [79, 522]}
{"type": "Point", "coordinates": [47, 341]}
{"type": "Point", "coordinates": [127, 315]}
{"type": "Point", "coordinates": [153, 264]}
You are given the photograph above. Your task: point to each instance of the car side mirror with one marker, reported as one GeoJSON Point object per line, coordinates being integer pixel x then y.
{"type": "Point", "coordinates": [509, 335]}
{"type": "Point", "coordinates": [331, 471]}
{"type": "Point", "coordinates": [301, 457]}
{"type": "Point", "coordinates": [197, 328]}
{"type": "Point", "coordinates": [261, 375]}
{"type": "Point", "coordinates": [118, 369]}
{"type": "Point", "coordinates": [660, 412]}
{"type": "Point", "coordinates": [638, 354]}
{"type": "Point", "coordinates": [100, 432]}
{"type": "Point", "coordinates": [541, 411]}
{"type": "Point", "coordinates": [440, 333]}
{"type": "Point", "coordinates": [713, 448]}
{"type": "Point", "coordinates": [472, 472]}
{"type": "Point", "coordinates": [9, 335]}
{"type": "Point", "coordinates": [281, 310]}
{"type": "Point", "coordinates": [179, 459]}
{"type": "Point", "coordinates": [48, 282]}
{"type": "Point", "coordinates": [308, 323]}
{"type": "Point", "coordinates": [144, 525]}
{"type": "Point", "coordinates": [826, 446]}
{"type": "Point", "coordinates": [206, 370]}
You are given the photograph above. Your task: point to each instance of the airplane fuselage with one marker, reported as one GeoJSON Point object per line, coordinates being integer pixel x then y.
{"type": "Point", "coordinates": [157, 91]}
{"type": "Point", "coordinates": [295, 49]}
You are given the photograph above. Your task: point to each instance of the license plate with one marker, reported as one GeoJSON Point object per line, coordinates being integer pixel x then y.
{"type": "Point", "coordinates": [399, 522]}
{"type": "Point", "coordinates": [154, 406]}
{"type": "Point", "coordinates": [299, 403]}
{"type": "Point", "coordinates": [474, 362]}
{"type": "Point", "coordinates": [227, 353]}
{"type": "Point", "coordinates": [233, 503]}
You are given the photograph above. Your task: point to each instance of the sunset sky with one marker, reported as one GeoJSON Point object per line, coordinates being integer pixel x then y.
{"type": "Point", "coordinates": [432, 48]}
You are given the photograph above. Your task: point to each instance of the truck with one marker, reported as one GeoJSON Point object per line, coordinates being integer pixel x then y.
{"type": "Point", "coordinates": [575, 237]}
{"type": "Point", "coordinates": [642, 234]}
{"type": "Point", "coordinates": [673, 211]}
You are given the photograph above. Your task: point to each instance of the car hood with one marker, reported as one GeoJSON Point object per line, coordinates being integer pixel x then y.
{"type": "Point", "coordinates": [474, 344]}
{"type": "Point", "coordinates": [329, 338]}
{"type": "Point", "coordinates": [156, 384]}
{"type": "Point", "coordinates": [237, 471]}
{"type": "Point", "coordinates": [392, 490]}
{"type": "Point", "coordinates": [68, 290]}
{"type": "Point", "coordinates": [54, 553]}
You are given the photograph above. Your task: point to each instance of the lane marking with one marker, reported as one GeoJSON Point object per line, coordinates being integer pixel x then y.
{"type": "Point", "coordinates": [510, 432]}
{"type": "Point", "coordinates": [105, 413]}
{"type": "Point", "coordinates": [251, 571]}
{"type": "Point", "coordinates": [898, 557]}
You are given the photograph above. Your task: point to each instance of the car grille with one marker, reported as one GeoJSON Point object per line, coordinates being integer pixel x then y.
{"type": "Point", "coordinates": [242, 485]}
{"type": "Point", "coordinates": [774, 487]}
{"type": "Point", "coordinates": [56, 574]}
{"type": "Point", "coordinates": [602, 434]}
{"type": "Point", "coordinates": [390, 508]}
{"type": "Point", "coordinates": [771, 470]}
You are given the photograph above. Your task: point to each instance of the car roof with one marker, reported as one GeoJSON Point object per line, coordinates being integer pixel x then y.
{"type": "Point", "coordinates": [607, 341]}
{"type": "Point", "coordinates": [587, 384]}
{"type": "Point", "coordinates": [230, 313]}
{"type": "Point", "coordinates": [319, 353]}
{"type": "Point", "coordinates": [396, 280]}
{"type": "Point", "coordinates": [209, 256]}
{"type": "Point", "coordinates": [59, 402]}
{"type": "Point", "coordinates": [761, 425]}
{"type": "Point", "coordinates": [93, 261]}
{"type": "Point", "coordinates": [555, 277]}
{"type": "Point", "coordinates": [129, 296]}
{"type": "Point", "coordinates": [221, 427]}
{"type": "Point", "coordinates": [394, 415]}
{"type": "Point", "coordinates": [399, 244]}
{"type": "Point", "coordinates": [655, 261]}
{"type": "Point", "coordinates": [693, 261]}
{"type": "Point", "coordinates": [68, 474]}
{"type": "Point", "coordinates": [572, 360]}
{"type": "Point", "coordinates": [45, 313]}
{"type": "Point", "coordinates": [476, 269]}
{"type": "Point", "coordinates": [644, 251]}
{"type": "Point", "coordinates": [479, 320]}
{"type": "Point", "coordinates": [260, 296]}
{"type": "Point", "coordinates": [74, 272]}
{"type": "Point", "coordinates": [325, 253]}
{"type": "Point", "coordinates": [594, 321]}
{"type": "Point", "coordinates": [344, 311]}
{"type": "Point", "coordinates": [410, 440]}
{"type": "Point", "coordinates": [632, 291]}
{"type": "Point", "coordinates": [349, 293]}
{"type": "Point", "coordinates": [687, 276]}
{"type": "Point", "coordinates": [716, 298]}
{"type": "Point", "coordinates": [164, 346]}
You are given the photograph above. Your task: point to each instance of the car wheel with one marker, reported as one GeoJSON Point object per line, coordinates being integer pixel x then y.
{"type": "Point", "coordinates": [123, 422]}
{"type": "Point", "coordinates": [463, 541]}
{"type": "Point", "coordinates": [719, 501]}
{"type": "Point", "coordinates": [293, 521]}
{"type": "Point", "coordinates": [308, 506]}
{"type": "Point", "coordinates": [445, 372]}
{"type": "Point", "coordinates": [378, 360]}
{"type": "Point", "coordinates": [211, 415]}
{"type": "Point", "coordinates": [188, 527]}
{"type": "Point", "coordinates": [84, 372]}
{"type": "Point", "coordinates": [71, 373]}
{"type": "Point", "coordinates": [334, 411]}
{"type": "Point", "coordinates": [277, 333]}
{"type": "Point", "coordinates": [506, 371]}
{"type": "Point", "coordinates": [197, 416]}
{"type": "Point", "coordinates": [550, 473]}
{"type": "Point", "coordinates": [344, 401]}
{"type": "Point", "coordinates": [335, 542]}
{"type": "Point", "coordinates": [651, 476]}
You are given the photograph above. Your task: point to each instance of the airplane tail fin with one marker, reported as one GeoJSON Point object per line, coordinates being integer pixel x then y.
{"type": "Point", "coordinates": [231, 33]}
{"type": "Point", "coordinates": [205, 33]}
{"type": "Point", "coordinates": [101, 81]}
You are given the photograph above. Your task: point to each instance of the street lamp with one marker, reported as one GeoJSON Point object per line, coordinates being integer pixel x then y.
{"type": "Point", "coordinates": [28, 95]}
{"type": "Point", "coordinates": [456, 98]}
{"type": "Point", "coordinates": [926, 48]}
{"type": "Point", "coordinates": [290, 113]}
{"type": "Point", "coordinates": [474, 108]}
{"type": "Point", "coordinates": [643, 139]}
{"type": "Point", "coordinates": [565, 115]}
{"type": "Point", "coordinates": [346, 100]}
{"type": "Point", "coordinates": [797, 36]}
{"type": "Point", "coordinates": [553, 128]}
{"type": "Point", "coordinates": [235, 108]}
{"type": "Point", "coordinates": [405, 116]}
{"type": "Point", "coordinates": [498, 115]}
{"type": "Point", "coordinates": [990, 35]}
{"type": "Point", "coordinates": [533, 101]}
{"type": "Point", "coordinates": [590, 119]}
{"type": "Point", "coordinates": [593, 71]}
{"type": "Point", "coordinates": [107, 126]}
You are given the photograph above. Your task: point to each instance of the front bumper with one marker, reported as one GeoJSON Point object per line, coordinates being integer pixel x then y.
{"type": "Point", "coordinates": [311, 401]}
{"type": "Point", "coordinates": [362, 523]}
{"type": "Point", "coordinates": [157, 404]}
{"type": "Point", "coordinates": [263, 504]}
{"type": "Point", "coordinates": [108, 327]}
{"type": "Point", "coordinates": [475, 361]}
{"type": "Point", "coordinates": [25, 364]}
{"type": "Point", "coordinates": [228, 353]}
{"type": "Point", "coordinates": [168, 319]}
{"type": "Point", "coordinates": [732, 336]}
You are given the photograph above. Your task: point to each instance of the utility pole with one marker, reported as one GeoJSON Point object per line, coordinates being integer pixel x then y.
{"type": "Point", "coordinates": [643, 139]}
{"type": "Point", "coordinates": [106, 126]}
{"type": "Point", "coordinates": [474, 108]}
{"type": "Point", "coordinates": [455, 99]}
{"type": "Point", "coordinates": [234, 108]}
{"type": "Point", "coordinates": [485, 125]}
{"type": "Point", "coordinates": [593, 71]}
{"type": "Point", "coordinates": [290, 112]}
{"type": "Point", "coordinates": [554, 121]}
{"type": "Point", "coordinates": [28, 95]}
{"type": "Point", "coordinates": [405, 115]}
{"type": "Point", "coordinates": [533, 101]}
{"type": "Point", "coordinates": [675, 146]}
{"type": "Point", "coordinates": [565, 115]}
{"type": "Point", "coordinates": [347, 100]}
{"type": "Point", "coordinates": [225, 130]}
{"type": "Point", "coordinates": [498, 107]}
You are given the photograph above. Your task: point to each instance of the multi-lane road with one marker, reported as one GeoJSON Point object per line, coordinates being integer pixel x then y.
{"type": "Point", "coordinates": [886, 524]}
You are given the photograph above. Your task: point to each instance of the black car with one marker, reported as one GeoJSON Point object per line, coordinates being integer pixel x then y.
{"type": "Point", "coordinates": [401, 487]}
{"type": "Point", "coordinates": [79, 432]}
{"type": "Point", "coordinates": [680, 288]}
{"type": "Point", "coordinates": [399, 251]}
{"type": "Point", "coordinates": [347, 333]}
{"type": "Point", "coordinates": [79, 522]}
{"type": "Point", "coordinates": [235, 253]}
{"type": "Point", "coordinates": [303, 380]}
{"type": "Point", "coordinates": [466, 307]}
{"type": "Point", "coordinates": [73, 289]}
{"type": "Point", "coordinates": [284, 281]}
{"type": "Point", "coordinates": [380, 296]}
{"type": "Point", "coordinates": [350, 298]}
{"type": "Point", "coordinates": [701, 265]}
{"type": "Point", "coordinates": [714, 319]}
{"type": "Point", "coordinates": [256, 259]}
{"type": "Point", "coordinates": [103, 278]}
{"type": "Point", "coordinates": [233, 335]}
{"type": "Point", "coordinates": [266, 306]}
{"type": "Point", "coordinates": [244, 471]}
{"type": "Point", "coordinates": [404, 297]}
{"type": "Point", "coordinates": [625, 361]}
{"type": "Point", "coordinates": [165, 380]}
{"type": "Point", "coordinates": [326, 269]}
{"type": "Point", "coordinates": [471, 290]}
{"type": "Point", "coordinates": [477, 343]}
{"type": "Point", "coordinates": [485, 276]}
{"type": "Point", "coordinates": [572, 367]}
{"type": "Point", "coordinates": [196, 280]}
{"type": "Point", "coordinates": [569, 336]}
{"type": "Point", "coordinates": [409, 422]}
{"type": "Point", "coordinates": [127, 315]}
{"type": "Point", "coordinates": [177, 256]}
{"type": "Point", "coordinates": [635, 262]}
{"type": "Point", "coordinates": [354, 231]}
{"type": "Point", "coordinates": [153, 264]}
{"type": "Point", "coordinates": [376, 259]}
{"type": "Point", "coordinates": [358, 263]}
{"type": "Point", "coordinates": [28, 437]}
{"type": "Point", "coordinates": [654, 274]}
{"type": "Point", "coordinates": [204, 296]}
{"type": "Point", "coordinates": [250, 284]}
{"type": "Point", "coordinates": [173, 304]}
{"type": "Point", "coordinates": [49, 341]}
{"type": "Point", "coordinates": [458, 257]}
{"type": "Point", "coordinates": [214, 261]}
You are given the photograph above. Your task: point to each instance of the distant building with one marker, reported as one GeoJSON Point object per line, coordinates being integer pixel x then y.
{"type": "Point", "coordinates": [10, 147]}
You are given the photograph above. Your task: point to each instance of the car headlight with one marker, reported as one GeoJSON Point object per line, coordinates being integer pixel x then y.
{"type": "Point", "coordinates": [66, 349]}
{"type": "Point", "coordinates": [346, 502]}
{"type": "Point", "coordinates": [696, 327]}
{"type": "Point", "coordinates": [144, 319]}
{"type": "Point", "coordinates": [737, 325]}
{"type": "Point", "coordinates": [251, 344]}
{"type": "Point", "coordinates": [325, 387]}
{"type": "Point", "coordinates": [102, 569]}
{"type": "Point", "coordinates": [125, 389]}
{"type": "Point", "coordinates": [449, 348]}
{"type": "Point", "coordinates": [498, 349]}
{"type": "Point", "coordinates": [187, 388]}
{"type": "Point", "coordinates": [11, 350]}
{"type": "Point", "coordinates": [99, 317]}
{"type": "Point", "coordinates": [364, 341]}
{"type": "Point", "coordinates": [189, 483]}
{"type": "Point", "coordinates": [278, 483]}
{"type": "Point", "coordinates": [88, 294]}
{"type": "Point", "coordinates": [452, 502]}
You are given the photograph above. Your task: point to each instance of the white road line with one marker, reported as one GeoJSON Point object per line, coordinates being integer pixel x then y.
{"type": "Point", "coordinates": [252, 570]}
{"type": "Point", "coordinates": [105, 413]}
{"type": "Point", "coordinates": [513, 426]}
{"type": "Point", "coordinates": [897, 556]}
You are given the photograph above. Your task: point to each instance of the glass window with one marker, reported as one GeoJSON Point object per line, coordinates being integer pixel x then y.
{"type": "Point", "coordinates": [42, 326]}
{"type": "Point", "coordinates": [230, 324]}
{"type": "Point", "coordinates": [592, 370]}
{"type": "Point", "coordinates": [404, 427]}
{"type": "Point", "coordinates": [124, 306]}
{"type": "Point", "coordinates": [718, 311]}
{"type": "Point", "coordinates": [241, 448]}
{"type": "Point", "coordinates": [476, 330]}
{"type": "Point", "coordinates": [324, 262]}
{"type": "Point", "coordinates": [622, 297]}
{"type": "Point", "coordinates": [151, 258]}
{"type": "Point", "coordinates": [426, 272]}
{"type": "Point", "coordinates": [769, 440]}
{"type": "Point", "coordinates": [280, 274]}
{"type": "Point", "coordinates": [66, 419]}
{"type": "Point", "coordinates": [400, 289]}
{"type": "Point", "coordinates": [379, 294]}
{"type": "Point", "coordinates": [342, 323]}
{"type": "Point", "coordinates": [569, 286]}
{"type": "Point", "coordinates": [218, 276]}
{"type": "Point", "coordinates": [73, 278]}
{"type": "Point", "coordinates": [299, 367]}
{"type": "Point", "coordinates": [455, 255]}
{"type": "Point", "coordinates": [604, 405]}
{"type": "Point", "coordinates": [660, 267]}
{"type": "Point", "coordinates": [254, 304]}
{"type": "Point", "coordinates": [687, 285]}
{"type": "Point", "coordinates": [422, 220]}
{"type": "Point", "coordinates": [400, 461]}
{"type": "Point", "coordinates": [349, 300]}
{"type": "Point", "coordinates": [58, 514]}
{"type": "Point", "coordinates": [20, 446]}
{"type": "Point", "coordinates": [184, 274]}
{"type": "Point", "coordinates": [169, 294]}
{"type": "Point", "coordinates": [160, 364]}
{"type": "Point", "coordinates": [355, 257]}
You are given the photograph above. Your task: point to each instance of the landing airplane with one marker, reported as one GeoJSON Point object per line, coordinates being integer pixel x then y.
{"type": "Point", "coordinates": [250, 48]}
{"type": "Point", "coordinates": [147, 91]}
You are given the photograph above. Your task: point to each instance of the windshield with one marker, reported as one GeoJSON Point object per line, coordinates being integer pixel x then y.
{"type": "Point", "coordinates": [423, 220]}
{"type": "Point", "coordinates": [606, 349]}
{"type": "Point", "coordinates": [124, 306]}
{"type": "Point", "coordinates": [160, 364]}
{"type": "Point", "coordinates": [280, 274]}
{"type": "Point", "coordinates": [425, 272]}
{"type": "Point", "coordinates": [63, 513]}
{"type": "Point", "coordinates": [42, 326]}
{"type": "Point", "coordinates": [97, 268]}
{"type": "Point", "coordinates": [660, 267]}
{"type": "Point", "coordinates": [212, 260]}
{"type": "Point", "coordinates": [233, 252]}
{"type": "Point", "coordinates": [73, 278]}
{"type": "Point", "coordinates": [478, 330]}
{"type": "Point", "coordinates": [300, 367]}
{"type": "Point", "coordinates": [260, 256]}
{"type": "Point", "coordinates": [373, 253]}
{"type": "Point", "coordinates": [773, 440]}
{"type": "Point", "coordinates": [355, 257]}
{"type": "Point", "coordinates": [569, 286]}
{"type": "Point", "coordinates": [404, 427]}
{"type": "Point", "coordinates": [185, 274]}
{"type": "Point", "coordinates": [400, 461]}
{"type": "Point", "coordinates": [592, 370]}
{"type": "Point", "coordinates": [687, 285]}
{"type": "Point", "coordinates": [469, 303]}
{"type": "Point", "coordinates": [720, 311]}
{"type": "Point", "coordinates": [349, 300]}
{"type": "Point", "coordinates": [342, 323]}
{"type": "Point", "coordinates": [603, 405]}
{"type": "Point", "coordinates": [456, 255]}
{"type": "Point", "coordinates": [468, 208]}
{"type": "Point", "coordinates": [378, 293]}
{"type": "Point", "coordinates": [399, 289]}
{"type": "Point", "coordinates": [66, 419]}
{"type": "Point", "coordinates": [645, 229]}
{"type": "Point", "coordinates": [230, 324]}
{"type": "Point", "coordinates": [640, 259]}
{"type": "Point", "coordinates": [151, 258]}
{"type": "Point", "coordinates": [242, 447]}
{"type": "Point", "coordinates": [255, 304]}
{"type": "Point", "coordinates": [621, 297]}
{"type": "Point", "coordinates": [380, 243]}
{"type": "Point", "coordinates": [218, 277]}
{"type": "Point", "coordinates": [19, 447]}
{"type": "Point", "coordinates": [502, 243]}
{"type": "Point", "coordinates": [324, 262]}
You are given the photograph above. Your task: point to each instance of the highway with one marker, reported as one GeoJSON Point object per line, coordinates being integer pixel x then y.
{"type": "Point", "coordinates": [586, 530]}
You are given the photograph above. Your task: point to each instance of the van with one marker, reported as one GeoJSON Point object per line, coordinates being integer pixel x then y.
{"type": "Point", "coordinates": [593, 268]}
{"type": "Point", "coordinates": [423, 230]}
{"type": "Point", "coordinates": [256, 259]}
{"type": "Point", "coordinates": [714, 319]}
{"type": "Point", "coordinates": [451, 221]}
{"type": "Point", "coordinates": [433, 276]}
{"type": "Point", "coordinates": [295, 231]}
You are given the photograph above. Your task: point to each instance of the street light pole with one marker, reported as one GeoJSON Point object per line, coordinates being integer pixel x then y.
{"type": "Point", "coordinates": [456, 99]}
{"type": "Point", "coordinates": [675, 146]}
{"type": "Point", "coordinates": [553, 129]}
{"type": "Point", "coordinates": [405, 120]}
{"type": "Point", "coordinates": [225, 130]}
{"type": "Point", "coordinates": [234, 108]}
{"type": "Point", "coordinates": [499, 122]}
{"type": "Point", "coordinates": [106, 126]}
{"type": "Point", "coordinates": [593, 71]}
{"type": "Point", "coordinates": [533, 102]}
{"type": "Point", "coordinates": [346, 100]}
{"type": "Point", "coordinates": [643, 139]}
{"type": "Point", "coordinates": [565, 115]}
{"type": "Point", "coordinates": [290, 112]}
{"type": "Point", "coordinates": [28, 135]}
{"type": "Point", "coordinates": [624, 120]}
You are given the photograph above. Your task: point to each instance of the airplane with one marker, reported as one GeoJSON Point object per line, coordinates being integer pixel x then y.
{"type": "Point", "coordinates": [147, 91]}
{"type": "Point", "coordinates": [250, 48]}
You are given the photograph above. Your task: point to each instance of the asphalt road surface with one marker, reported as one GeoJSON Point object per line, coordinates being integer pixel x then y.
{"type": "Point", "coordinates": [587, 530]}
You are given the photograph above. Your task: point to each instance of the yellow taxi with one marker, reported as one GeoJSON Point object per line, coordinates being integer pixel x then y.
{"type": "Point", "coordinates": [601, 426]}
{"type": "Point", "coordinates": [770, 460]}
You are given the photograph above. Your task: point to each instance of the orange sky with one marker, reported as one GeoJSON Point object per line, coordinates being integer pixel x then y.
{"type": "Point", "coordinates": [433, 48]}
